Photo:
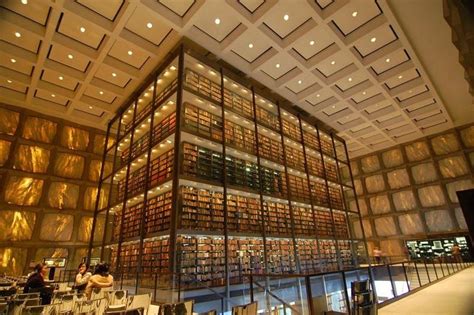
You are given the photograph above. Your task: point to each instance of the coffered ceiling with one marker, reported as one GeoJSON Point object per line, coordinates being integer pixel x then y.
{"type": "Point", "coordinates": [346, 62]}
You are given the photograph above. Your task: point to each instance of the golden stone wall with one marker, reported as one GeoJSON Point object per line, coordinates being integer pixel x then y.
{"type": "Point", "coordinates": [49, 170]}
{"type": "Point", "coordinates": [409, 191]}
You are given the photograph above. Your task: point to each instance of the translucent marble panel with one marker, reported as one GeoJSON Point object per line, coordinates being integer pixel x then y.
{"type": "Point", "coordinates": [69, 165]}
{"type": "Point", "coordinates": [355, 168]}
{"type": "Point", "coordinates": [90, 197]}
{"type": "Point", "coordinates": [398, 178]}
{"type": "Point", "coordinates": [392, 158]}
{"type": "Point", "coordinates": [85, 229]}
{"type": "Point", "coordinates": [63, 195]}
{"type": "Point", "coordinates": [39, 129]}
{"type": "Point", "coordinates": [391, 247]}
{"type": "Point", "coordinates": [94, 170]}
{"type": "Point", "coordinates": [79, 254]}
{"type": "Point", "coordinates": [380, 204]}
{"type": "Point", "coordinates": [50, 252]}
{"type": "Point", "coordinates": [431, 196]}
{"type": "Point", "coordinates": [362, 206]}
{"type": "Point", "coordinates": [374, 183]}
{"type": "Point", "coordinates": [460, 218]}
{"type": "Point", "coordinates": [12, 260]}
{"type": "Point", "coordinates": [417, 151]}
{"type": "Point", "coordinates": [467, 136]}
{"type": "Point", "coordinates": [370, 164]}
{"type": "Point", "coordinates": [99, 142]}
{"type": "Point", "coordinates": [345, 173]}
{"type": "Point", "coordinates": [453, 166]}
{"type": "Point", "coordinates": [31, 159]}
{"type": "Point", "coordinates": [357, 229]}
{"type": "Point", "coordinates": [404, 200]}
{"type": "Point", "coordinates": [75, 138]}
{"type": "Point", "coordinates": [410, 224]}
{"type": "Point", "coordinates": [424, 173]}
{"type": "Point", "coordinates": [4, 151]}
{"type": "Point", "coordinates": [445, 144]}
{"type": "Point", "coordinates": [56, 227]}
{"type": "Point", "coordinates": [457, 186]}
{"type": "Point", "coordinates": [439, 221]}
{"type": "Point", "coordinates": [8, 121]}
{"type": "Point", "coordinates": [23, 191]}
{"type": "Point", "coordinates": [367, 228]}
{"type": "Point", "coordinates": [358, 187]}
{"type": "Point", "coordinates": [471, 158]}
{"type": "Point", "coordinates": [385, 226]}
{"type": "Point", "coordinates": [16, 225]}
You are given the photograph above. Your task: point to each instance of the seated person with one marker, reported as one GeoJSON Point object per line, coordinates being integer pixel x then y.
{"type": "Point", "coordinates": [100, 279]}
{"type": "Point", "coordinates": [82, 278]}
{"type": "Point", "coordinates": [36, 283]}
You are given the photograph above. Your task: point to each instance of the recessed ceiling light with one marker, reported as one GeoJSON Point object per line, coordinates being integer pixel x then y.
{"type": "Point", "coordinates": [17, 34]}
{"type": "Point", "coordinates": [53, 95]}
{"type": "Point", "coordinates": [82, 29]}
{"type": "Point", "coordinates": [149, 25]}
{"type": "Point", "coordinates": [333, 106]}
{"type": "Point", "coordinates": [387, 60]}
{"type": "Point", "coordinates": [363, 93]}
{"type": "Point", "coordinates": [172, 68]}
{"type": "Point", "coordinates": [130, 52]}
{"type": "Point", "coordinates": [13, 60]}
{"type": "Point", "coordinates": [350, 79]}
{"type": "Point", "coordinates": [250, 45]}
{"type": "Point", "coordinates": [333, 62]}
{"type": "Point", "coordinates": [101, 92]}
{"type": "Point", "coordinates": [311, 42]}
{"type": "Point", "coordinates": [299, 81]}
{"type": "Point", "coordinates": [70, 56]}
{"type": "Point", "coordinates": [410, 91]}
{"type": "Point", "coordinates": [217, 21]}
{"type": "Point", "coordinates": [354, 14]}
{"type": "Point", "coordinates": [317, 95]}
{"type": "Point", "coordinates": [286, 17]}
{"type": "Point", "coordinates": [277, 65]}
{"type": "Point", "coordinates": [9, 81]}
{"type": "Point", "coordinates": [60, 78]}
{"type": "Point", "coordinates": [114, 74]}
{"type": "Point", "coordinates": [24, 1]}
{"type": "Point", "coordinates": [90, 107]}
{"type": "Point", "coordinates": [400, 76]}
{"type": "Point", "coordinates": [373, 39]}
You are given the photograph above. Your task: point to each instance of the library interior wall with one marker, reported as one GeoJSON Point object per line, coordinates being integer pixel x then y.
{"type": "Point", "coordinates": [49, 170]}
{"type": "Point", "coordinates": [409, 191]}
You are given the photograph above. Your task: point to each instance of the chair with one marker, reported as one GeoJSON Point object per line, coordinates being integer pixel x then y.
{"type": "Point", "coordinates": [97, 306]}
{"type": "Point", "coordinates": [22, 296]}
{"type": "Point", "coordinates": [211, 312]}
{"type": "Point", "coordinates": [8, 292]}
{"type": "Point", "coordinates": [134, 311]}
{"type": "Point", "coordinates": [182, 308]}
{"type": "Point", "coordinates": [116, 297]}
{"type": "Point", "coordinates": [3, 308]}
{"type": "Point", "coordinates": [38, 310]}
{"type": "Point", "coordinates": [247, 309]}
{"type": "Point", "coordinates": [139, 301]}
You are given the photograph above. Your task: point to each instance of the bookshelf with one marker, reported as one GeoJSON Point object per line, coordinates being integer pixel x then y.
{"type": "Point", "coordinates": [210, 182]}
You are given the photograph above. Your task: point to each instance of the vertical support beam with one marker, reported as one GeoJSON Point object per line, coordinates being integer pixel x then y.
{"type": "Point", "coordinates": [406, 277]}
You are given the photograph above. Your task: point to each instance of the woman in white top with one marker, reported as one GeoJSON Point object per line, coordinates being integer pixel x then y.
{"type": "Point", "coordinates": [82, 278]}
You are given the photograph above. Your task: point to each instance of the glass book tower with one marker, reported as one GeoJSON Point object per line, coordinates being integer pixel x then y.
{"type": "Point", "coordinates": [208, 179]}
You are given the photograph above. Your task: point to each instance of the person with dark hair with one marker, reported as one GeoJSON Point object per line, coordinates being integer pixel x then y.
{"type": "Point", "coordinates": [82, 277]}
{"type": "Point", "coordinates": [36, 283]}
{"type": "Point", "coordinates": [100, 279]}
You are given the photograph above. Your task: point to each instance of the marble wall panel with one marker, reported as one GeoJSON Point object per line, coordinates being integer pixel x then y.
{"type": "Point", "coordinates": [374, 183]}
{"type": "Point", "coordinates": [417, 151]}
{"type": "Point", "coordinates": [85, 228]}
{"type": "Point", "coordinates": [99, 144]}
{"type": "Point", "coordinates": [404, 200]}
{"type": "Point", "coordinates": [431, 196]}
{"type": "Point", "coordinates": [467, 136]}
{"type": "Point", "coordinates": [392, 248]}
{"type": "Point", "coordinates": [380, 204]}
{"type": "Point", "coordinates": [31, 159]}
{"type": "Point", "coordinates": [8, 121]}
{"type": "Point", "coordinates": [94, 170]}
{"type": "Point", "coordinates": [362, 206]}
{"type": "Point", "coordinates": [471, 158]}
{"type": "Point", "coordinates": [90, 197]}
{"type": "Point", "coordinates": [357, 229]}
{"type": "Point", "coordinates": [457, 186]}
{"type": "Point", "coordinates": [444, 144]}
{"type": "Point", "coordinates": [385, 226]}
{"type": "Point", "coordinates": [23, 191]}
{"type": "Point", "coordinates": [367, 228]}
{"type": "Point", "coordinates": [453, 166]}
{"type": "Point", "coordinates": [42, 253]}
{"type": "Point", "coordinates": [370, 164]}
{"type": "Point", "coordinates": [392, 158]}
{"type": "Point", "coordinates": [63, 195]}
{"type": "Point", "coordinates": [439, 221]}
{"type": "Point", "coordinates": [16, 225]}
{"type": "Point", "coordinates": [355, 168]}
{"type": "Point", "coordinates": [410, 224]}
{"type": "Point", "coordinates": [74, 138]}
{"type": "Point", "coordinates": [56, 227]}
{"type": "Point", "coordinates": [12, 260]}
{"type": "Point", "coordinates": [398, 178]}
{"type": "Point", "coordinates": [424, 173]}
{"type": "Point", "coordinates": [69, 165]}
{"type": "Point", "coordinates": [358, 187]}
{"type": "Point", "coordinates": [38, 129]}
{"type": "Point", "coordinates": [4, 151]}
{"type": "Point", "coordinates": [460, 218]}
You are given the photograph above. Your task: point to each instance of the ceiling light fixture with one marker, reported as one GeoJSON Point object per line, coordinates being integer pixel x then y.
{"type": "Point", "coordinates": [90, 107]}
{"type": "Point", "coordinates": [17, 34]}
{"type": "Point", "coordinates": [130, 52]}
{"type": "Point", "coordinates": [277, 65]}
{"type": "Point", "coordinates": [373, 39]}
{"type": "Point", "coordinates": [53, 95]}
{"type": "Point", "coordinates": [82, 29]}
{"type": "Point", "coordinates": [387, 60]}
{"type": "Point", "coordinates": [400, 76]}
{"type": "Point", "coordinates": [299, 81]}
{"type": "Point", "coordinates": [311, 42]}
{"type": "Point", "coordinates": [172, 68]}
{"type": "Point", "coordinates": [9, 81]}
{"type": "Point", "coordinates": [70, 56]}
{"type": "Point", "coordinates": [61, 78]}
{"type": "Point", "coordinates": [350, 79]}
{"type": "Point", "coordinates": [24, 1]}
{"type": "Point", "coordinates": [286, 17]}
{"type": "Point", "coordinates": [114, 74]}
{"type": "Point", "coordinates": [149, 25]}
{"type": "Point", "coordinates": [363, 93]}
{"type": "Point", "coordinates": [333, 62]}
{"type": "Point", "coordinates": [250, 45]}
{"type": "Point", "coordinates": [13, 60]}
{"type": "Point", "coordinates": [354, 14]}
{"type": "Point", "coordinates": [101, 92]}
{"type": "Point", "coordinates": [217, 21]}
{"type": "Point", "coordinates": [317, 95]}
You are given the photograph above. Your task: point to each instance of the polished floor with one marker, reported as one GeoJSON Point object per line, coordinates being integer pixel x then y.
{"type": "Point", "coordinates": [452, 296]}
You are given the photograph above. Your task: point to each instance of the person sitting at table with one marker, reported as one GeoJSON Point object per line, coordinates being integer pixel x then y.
{"type": "Point", "coordinates": [100, 279]}
{"type": "Point", "coordinates": [36, 283]}
{"type": "Point", "coordinates": [82, 278]}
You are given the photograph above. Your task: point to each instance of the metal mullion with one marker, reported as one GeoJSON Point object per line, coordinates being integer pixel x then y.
{"type": "Point", "coordinates": [145, 194]}
{"type": "Point", "coordinates": [288, 190]}
{"type": "Point", "coordinates": [262, 211]}
{"type": "Point", "coordinates": [96, 212]}
{"type": "Point", "coordinates": [338, 254]}
{"type": "Point", "coordinates": [309, 187]}
{"type": "Point", "coordinates": [125, 195]}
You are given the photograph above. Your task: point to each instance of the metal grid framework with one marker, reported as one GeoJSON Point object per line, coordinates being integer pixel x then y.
{"type": "Point", "coordinates": [348, 63]}
{"type": "Point", "coordinates": [156, 97]}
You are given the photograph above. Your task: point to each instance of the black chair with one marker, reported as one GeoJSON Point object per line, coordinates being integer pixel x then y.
{"type": "Point", "coordinates": [8, 292]}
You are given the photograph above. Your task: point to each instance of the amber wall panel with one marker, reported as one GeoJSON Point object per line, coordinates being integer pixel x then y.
{"type": "Point", "coordinates": [31, 158]}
